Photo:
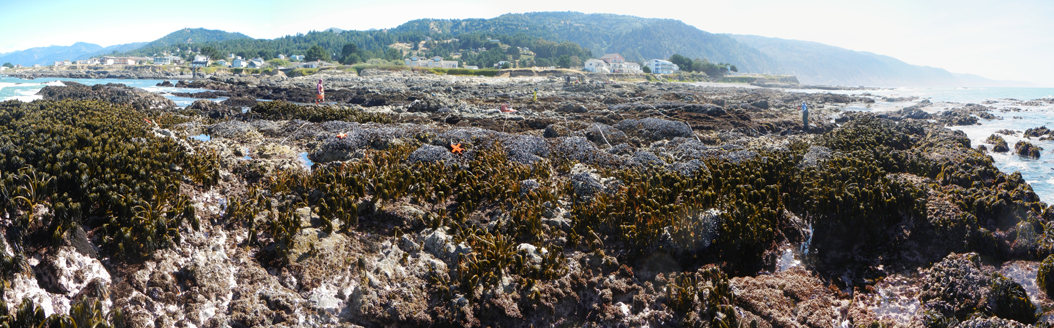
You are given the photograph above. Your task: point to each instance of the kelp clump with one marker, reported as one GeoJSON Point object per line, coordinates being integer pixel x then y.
{"type": "Point", "coordinates": [281, 110]}
{"type": "Point", "coordinates": [98, 165]}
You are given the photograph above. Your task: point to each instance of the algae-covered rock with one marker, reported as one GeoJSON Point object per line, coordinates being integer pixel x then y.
{"type": "Point", "coordinates": [1009, 300]}
{"type": "Point", "coordinates": [1045, 275]}
{"type": "Point", "coordinates": [1027, 149]}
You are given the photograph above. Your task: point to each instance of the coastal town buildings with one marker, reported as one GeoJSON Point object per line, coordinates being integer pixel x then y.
{"type": "Point", "coordinates": [659, 66]}
{"type": "Point", "coordinates": [435, 62]}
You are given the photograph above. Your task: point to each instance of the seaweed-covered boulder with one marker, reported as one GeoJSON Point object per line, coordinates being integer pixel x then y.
{"type": "Point", "coordinates": [240, 102]}
{"type": "Point", "coordinates": [555, 131]}
{"type": "Point", "coordinates": [1009, 300]}
{"type": "Point", "coordinates": [111, 92]}
{"type": "Point", "coordinates": [956, 117]}
{"type": "Point", "coordinates": [1037, 132]}
{"type": "Point", "coordinates": [999, 144]}
{"type": "Point", "coordinates": [211, 109]}
{"type": "Point", "coordinates": [913, 112]}
{"type": "Point", "coordinates": [1027, 149]}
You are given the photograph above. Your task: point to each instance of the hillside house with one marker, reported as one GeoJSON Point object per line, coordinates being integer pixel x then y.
{"type": "Point", "coordinates": [200, 61]}
{"type": "Point", "coordinates": [281, 56]}
{"type": "Point", "coordinates": [626, 67]}
{"type": "Point", "coordinates": [597, 66]}
{"type": "Point", "coordinates": [163, 60]}
{"type": "Point", "coordinates": [107, 61]}
{"type": "Point", "coordinates": [3, 68]}
{"type": "Point", "coordinates": [257, 63]}
{"type": "Point", "coordinates": [297, 57]}
{"type": "Point", "coordinates": [239, 63]}
{"type": "Point", "coordinates": [435, 62]}
{"type": "Point", "coordinates": [659, 66]}
{"type": "Point", "coordinates": [222, 62]}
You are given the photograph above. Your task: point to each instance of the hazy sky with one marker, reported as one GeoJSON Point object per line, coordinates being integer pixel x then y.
{"type": "Point", "coordinates": [1003, 40]}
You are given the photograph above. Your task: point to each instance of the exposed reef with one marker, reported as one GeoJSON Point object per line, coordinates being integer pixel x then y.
{"type": "Point", "coordinates": [412, 200]}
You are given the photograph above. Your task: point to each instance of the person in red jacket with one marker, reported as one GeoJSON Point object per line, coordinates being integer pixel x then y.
{"type": "Point", "coordinates": [321, 93]}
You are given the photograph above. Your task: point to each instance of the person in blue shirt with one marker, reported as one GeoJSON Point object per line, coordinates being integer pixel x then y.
{"type": "Point", "coordinates": [804, 116]}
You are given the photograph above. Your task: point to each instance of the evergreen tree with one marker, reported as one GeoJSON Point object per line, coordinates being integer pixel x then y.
{"type": "Point", "coordinates": [316, 52]}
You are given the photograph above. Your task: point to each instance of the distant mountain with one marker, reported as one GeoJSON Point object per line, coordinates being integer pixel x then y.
{"type": "Point", "coordinates": [52, 54]}
{"type": "Point", "coordinates": [49, 55]}
{"type": "Point", "coordinates": [191, 37]}
{"type": "Point", "coordinates": [816, 63]}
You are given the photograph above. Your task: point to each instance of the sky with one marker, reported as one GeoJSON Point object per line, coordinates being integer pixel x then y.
{"type": "Point", "coordinates": [1002, 40]}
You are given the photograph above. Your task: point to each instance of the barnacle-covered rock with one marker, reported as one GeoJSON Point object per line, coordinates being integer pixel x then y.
{"type": "Point", "coordinates": [235, 130]}
{"type": "Point", "coordinates": [654, 128]}
{"type": "Point", "coordinates": [430, 153]}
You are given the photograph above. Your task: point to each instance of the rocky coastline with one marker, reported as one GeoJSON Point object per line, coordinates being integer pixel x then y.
{"type": "Point", "coordinates": [413, 200]}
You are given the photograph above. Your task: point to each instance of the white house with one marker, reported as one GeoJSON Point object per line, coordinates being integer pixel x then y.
{"type": "Point", "coordinates": [659, 66]}
{"type": "Point", "coordinates": [597, 66]}
{"type": "Point", "coordinates": [435, 62]}
{"type": "Point", "coordinates": [200, 61]}
{"type": "Point", "coordinates": [107, 61]}
{"type": "Point", "coordinates": [3, 68]}
{"type": "Point", "coordinates": [281, 56]}
{"type": "Point", "coordinates": [239, 63]}
{"type": "Point", "coordinates": [297, 57]}
{"type": "Point", "coordinates": [163, 60]}
{"type": "Point", "coordinates": [312, 64]}
{"type": "Point", "coordinates": [626, 67]}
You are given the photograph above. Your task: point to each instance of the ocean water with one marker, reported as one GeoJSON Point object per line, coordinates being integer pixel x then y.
{"type": "Point", "coordinates": [26, 90]}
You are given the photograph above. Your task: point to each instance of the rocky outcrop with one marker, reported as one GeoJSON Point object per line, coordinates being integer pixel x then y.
{"type": "Point", "coordinates": [112, 92]}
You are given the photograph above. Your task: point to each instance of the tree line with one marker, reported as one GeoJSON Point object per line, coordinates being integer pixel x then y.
{"type": "Point", "coordinates": [351, 47]}
{"type": "Point", "coordinates": [702, 65]}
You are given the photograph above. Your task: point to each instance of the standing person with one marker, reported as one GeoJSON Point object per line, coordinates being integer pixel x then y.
{"type": "Point", "coordinates": [321, 93]}
{"type": "Point", "coordinates": [805, 116]}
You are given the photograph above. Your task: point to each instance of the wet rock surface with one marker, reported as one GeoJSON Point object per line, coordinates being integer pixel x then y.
{"type": "Point", "coordinates": [411, 200]}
